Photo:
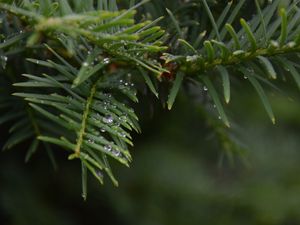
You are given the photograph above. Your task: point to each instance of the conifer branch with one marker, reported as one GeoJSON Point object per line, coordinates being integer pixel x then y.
{"type": "Point", "coordinates": [85, 115]}
{"type": "Point", "coordinates": [84, 58]}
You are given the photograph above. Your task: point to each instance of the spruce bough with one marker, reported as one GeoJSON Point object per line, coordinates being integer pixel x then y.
{"type": "Point", "coordinates": [81, 64]}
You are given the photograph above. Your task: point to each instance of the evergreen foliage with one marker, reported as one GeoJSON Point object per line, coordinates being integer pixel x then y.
{"type": "Point", "coordinates": [71, 69]}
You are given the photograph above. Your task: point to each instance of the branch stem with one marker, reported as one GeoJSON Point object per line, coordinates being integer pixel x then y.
{"type": "Point", "coordinates": [85, 115]}
{"type": "Point", "coordinates": [203, 65]}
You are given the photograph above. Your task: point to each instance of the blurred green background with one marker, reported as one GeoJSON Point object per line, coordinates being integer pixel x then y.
{"type": "Point", "coordinates": [176, 176]}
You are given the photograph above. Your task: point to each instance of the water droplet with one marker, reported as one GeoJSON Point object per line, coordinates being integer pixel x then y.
{"type": "Point", "coordinates": [123, 134]}
{"type": "Point", "coordinates": [4, 58]}
{"type": "Point", "coordinates": [85, 64]}
{"type": "Point", "coordinates": [108, 95]}
{"type": "Point", "coordinates": [91, 141]}
{"type": "Point", "coordinates": [219, 117]}
{"type": "Point", "coordinates": [250, 70]}
{"type": "Point", "coordinates": [102, 130]}
{"type": "Point", "coordinates": [116, 153]}
{"type": "Point", "coordinates": [107, 148]}
{"type": "Point", "coordinates": [117, 124]}
{"type": "Point", "coordinates": [99, 174]}
{"type": "Point", "coordinates": [274, 44]}
{"type": "Point", "coordinates": [291, 44]}
{"type": "Point", "coordinates": [108, 119]}
{"type": "Point", "coordinates": [191, 58]}
{"type": "Point", "coordinates": [123, 118]}
{"type": "Point", "coordinates": [214, 106]}
{"type": "Point", "coordinates": [245, 77]}
{"type": "Point", "coordinates": [3, 61]}
{"type": "Point", "coordinates": [106, 60]}
{"type": "Point", "coordinates": [205, 88]}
